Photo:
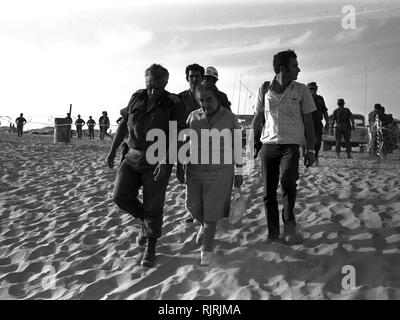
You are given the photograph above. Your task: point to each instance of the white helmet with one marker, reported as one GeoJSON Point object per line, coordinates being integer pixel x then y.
{"type": "Point", "coordinates": [211, 71]}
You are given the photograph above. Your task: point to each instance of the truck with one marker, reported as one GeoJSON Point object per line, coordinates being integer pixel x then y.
{"type": "Point", "coordinates": [359, 137]}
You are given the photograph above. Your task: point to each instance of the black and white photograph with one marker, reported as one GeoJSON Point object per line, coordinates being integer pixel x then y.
{"type": "Point", "coordinates": [175, 151]}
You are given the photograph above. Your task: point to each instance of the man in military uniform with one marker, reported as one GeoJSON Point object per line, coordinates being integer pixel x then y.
{"type": "Point", "coordinates": [211, 75]}
{"type": "Point", "coordinates": [68, 121]}
{"type": "Point", "coordinates": [194, 76]}
{"type": "Point", "coordinates": [79, 124]}
{"type": "Point", "coordinates": [344, 124]}
{"type": "Point", "coordinates": [91, 123]}
{"type": "Point", "coordinates": [104, 124]}
{"type": "Point", "coordinates": [318, 115]}
{"type": "Point", "coordinates": [148, 109]}
{"type": "Point", "coordinates": [20, 124]}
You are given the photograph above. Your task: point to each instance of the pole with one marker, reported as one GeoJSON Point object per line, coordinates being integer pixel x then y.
{"type": "Point", "coordinates": [240, 89]}
{"type": "Point", "coordinates": [69, 132]}
{"type": "Point", "coordinates": [234, 85]}
{"type": "Point", "coordinates": [365, 97]}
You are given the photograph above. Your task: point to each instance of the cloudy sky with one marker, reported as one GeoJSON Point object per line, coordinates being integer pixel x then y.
{"type": "Point", "coordinates": [93, 53]}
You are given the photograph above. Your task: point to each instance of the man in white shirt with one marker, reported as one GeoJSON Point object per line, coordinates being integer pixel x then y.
{"type": "Point", "coordinates": [286, 106]}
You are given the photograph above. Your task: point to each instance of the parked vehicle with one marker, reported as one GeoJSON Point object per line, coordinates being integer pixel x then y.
{"type": "Point", "coordinates": [359, 137]}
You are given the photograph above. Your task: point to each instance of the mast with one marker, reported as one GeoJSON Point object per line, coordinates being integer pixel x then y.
{"type": "Point", "coordinates": [240, 89]}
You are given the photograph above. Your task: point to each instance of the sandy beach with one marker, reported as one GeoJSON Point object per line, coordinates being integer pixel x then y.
{"type": "Point", "coordinates": [62, 237]}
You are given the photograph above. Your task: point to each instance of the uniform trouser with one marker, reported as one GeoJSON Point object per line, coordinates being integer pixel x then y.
{"type": "Point", "coordinates": [20, 130]}
{"type": "Point", "coordinates": [318, 137]}
{"type": "Point", "coordinates": [345, 131]}
{"type": "Point", "coordinates": [69, 134]}
{"type": "Point", "coordinates": [102, 132]}
{"type": "Point", "coordinates": [91, 132]}
{"type": "Point", "coordinates": [79, 131]}
{"type": "Point", "coordinates": [130, 179]}
{"type": "Point", "coordinates": [276, 158]}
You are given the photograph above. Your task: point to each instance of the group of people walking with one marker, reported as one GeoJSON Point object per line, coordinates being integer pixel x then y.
{"type": "Point", "coordinates": [283, 121]}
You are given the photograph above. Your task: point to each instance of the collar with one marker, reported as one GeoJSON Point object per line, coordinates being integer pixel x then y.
{"type": "Point", "coordinates": [290, 86]}
{"type": "Point", "coordinates": [220, 111]}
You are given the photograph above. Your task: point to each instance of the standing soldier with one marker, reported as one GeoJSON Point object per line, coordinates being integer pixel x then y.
{"type": "Point", "coordinates": [20, 121]}
{"type": "Point", "coordinates": [104, 124]}
{"type": "Point", "coordinates": [344, 124]}
{"type": "Point", "coordinates": [148, 109]}
{"type": "Point", "coordinates": [68, 121]}
{"type": "Point", "coordinates": [318, 115]}
{"type": "Point", "coordinates": [91, 123]}
{"type": "Point", "coordinates": [194, 76]}
{"type": "Point", "coordinates": [79, 124]}
{"type": "Point", "coordinates": [211, 76]}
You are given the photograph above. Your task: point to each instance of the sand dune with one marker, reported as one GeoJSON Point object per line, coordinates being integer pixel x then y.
{"type": "Point", "coordinates": [61, 236]}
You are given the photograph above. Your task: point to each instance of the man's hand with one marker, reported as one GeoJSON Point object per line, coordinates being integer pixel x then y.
{"type": "Point", "coordinates": [309, 159]}
{"type": "Point", "coordinates": [265, 87]}
{"type": "Point", "coordinates": [180, 174]}
{"type": "Point", "coordinates": [326, 128]}
{"type": "Point", "coordinates": [160, 171]}
{"type": "Point", "coordinates": [238, 181]}
{"type": "Point", "coordinates": [110, 159]}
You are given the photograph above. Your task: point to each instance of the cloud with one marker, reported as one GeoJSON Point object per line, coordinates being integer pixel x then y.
{"type": "Point", "coordinates": [301, 39]}
{"type": "Point", "coordinates": [299, 19]}
{"type": "Point", "coordinates": [350, 35]}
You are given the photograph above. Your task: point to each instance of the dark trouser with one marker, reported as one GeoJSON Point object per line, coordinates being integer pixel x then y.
{"type": "Point", "coordinates": [346, 132]}
{"type": "Point", "coordinates": [101, 132]}
{"type": "Point", "coordinates": [20, 129]}
{"type": "Point", "coordinates": [69, 134]}
{"type": "Point", "coordinates": [79, 131]}
{"type": "Point", "coordinates": [318, 136]}
{"type": "Point", "coordinates": [286, 158]}
{"type": "Point", "coordinates": [91, 132]}
{"type": "Point", "coordinates": [129, 180]}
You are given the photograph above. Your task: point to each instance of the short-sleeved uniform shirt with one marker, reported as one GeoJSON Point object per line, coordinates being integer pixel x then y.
{"type": "Point", "coordinates": [79, 122]}
{"type": "Point", "coordinates": [223, 119]}
{"type": "Point", "coordinates": [104, 121]}
{"type": "Point", "coordinates": [318, 114]}
{"type": "Point", "coordinates": [342, 116]}
{"type": "Point", "coordinates": [283, 113]}
{"type": "Point", "coordinates": [20, 121]}
{"type": "Point", "coordinates": [91, 123]}
{"type": "Point", "coordinates": [140, 120]}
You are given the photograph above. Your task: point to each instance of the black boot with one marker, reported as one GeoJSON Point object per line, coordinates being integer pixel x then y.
{"type": "Point", "coordinates": [149, 255]}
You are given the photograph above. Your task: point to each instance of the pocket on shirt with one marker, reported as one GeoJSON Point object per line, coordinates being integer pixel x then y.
{"type": "Point", "coordinates": [294, 103]}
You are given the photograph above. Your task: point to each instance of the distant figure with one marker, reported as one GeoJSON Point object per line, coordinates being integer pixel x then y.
{"type": "Point", "coordinates": [79, 123]}
{"type": "Point", "coordinates": [104, 124]}
{"type": "Point", "coordinates": [68, 123]}
{"type": "Point", "coordinates": [318, 115]}
{"type": "Point", "coordinates": [371, 116]}
{"type": "Point", "coordinates": [194, 76]}
{"type": "Point", "coordinates": [344, 124]}
{"type": "Point", "coordinates": [20, 121]}
{"type": "Point", "coordinates": [211, 76]}
{"type": "Point", "coordinates": [91, 123]}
